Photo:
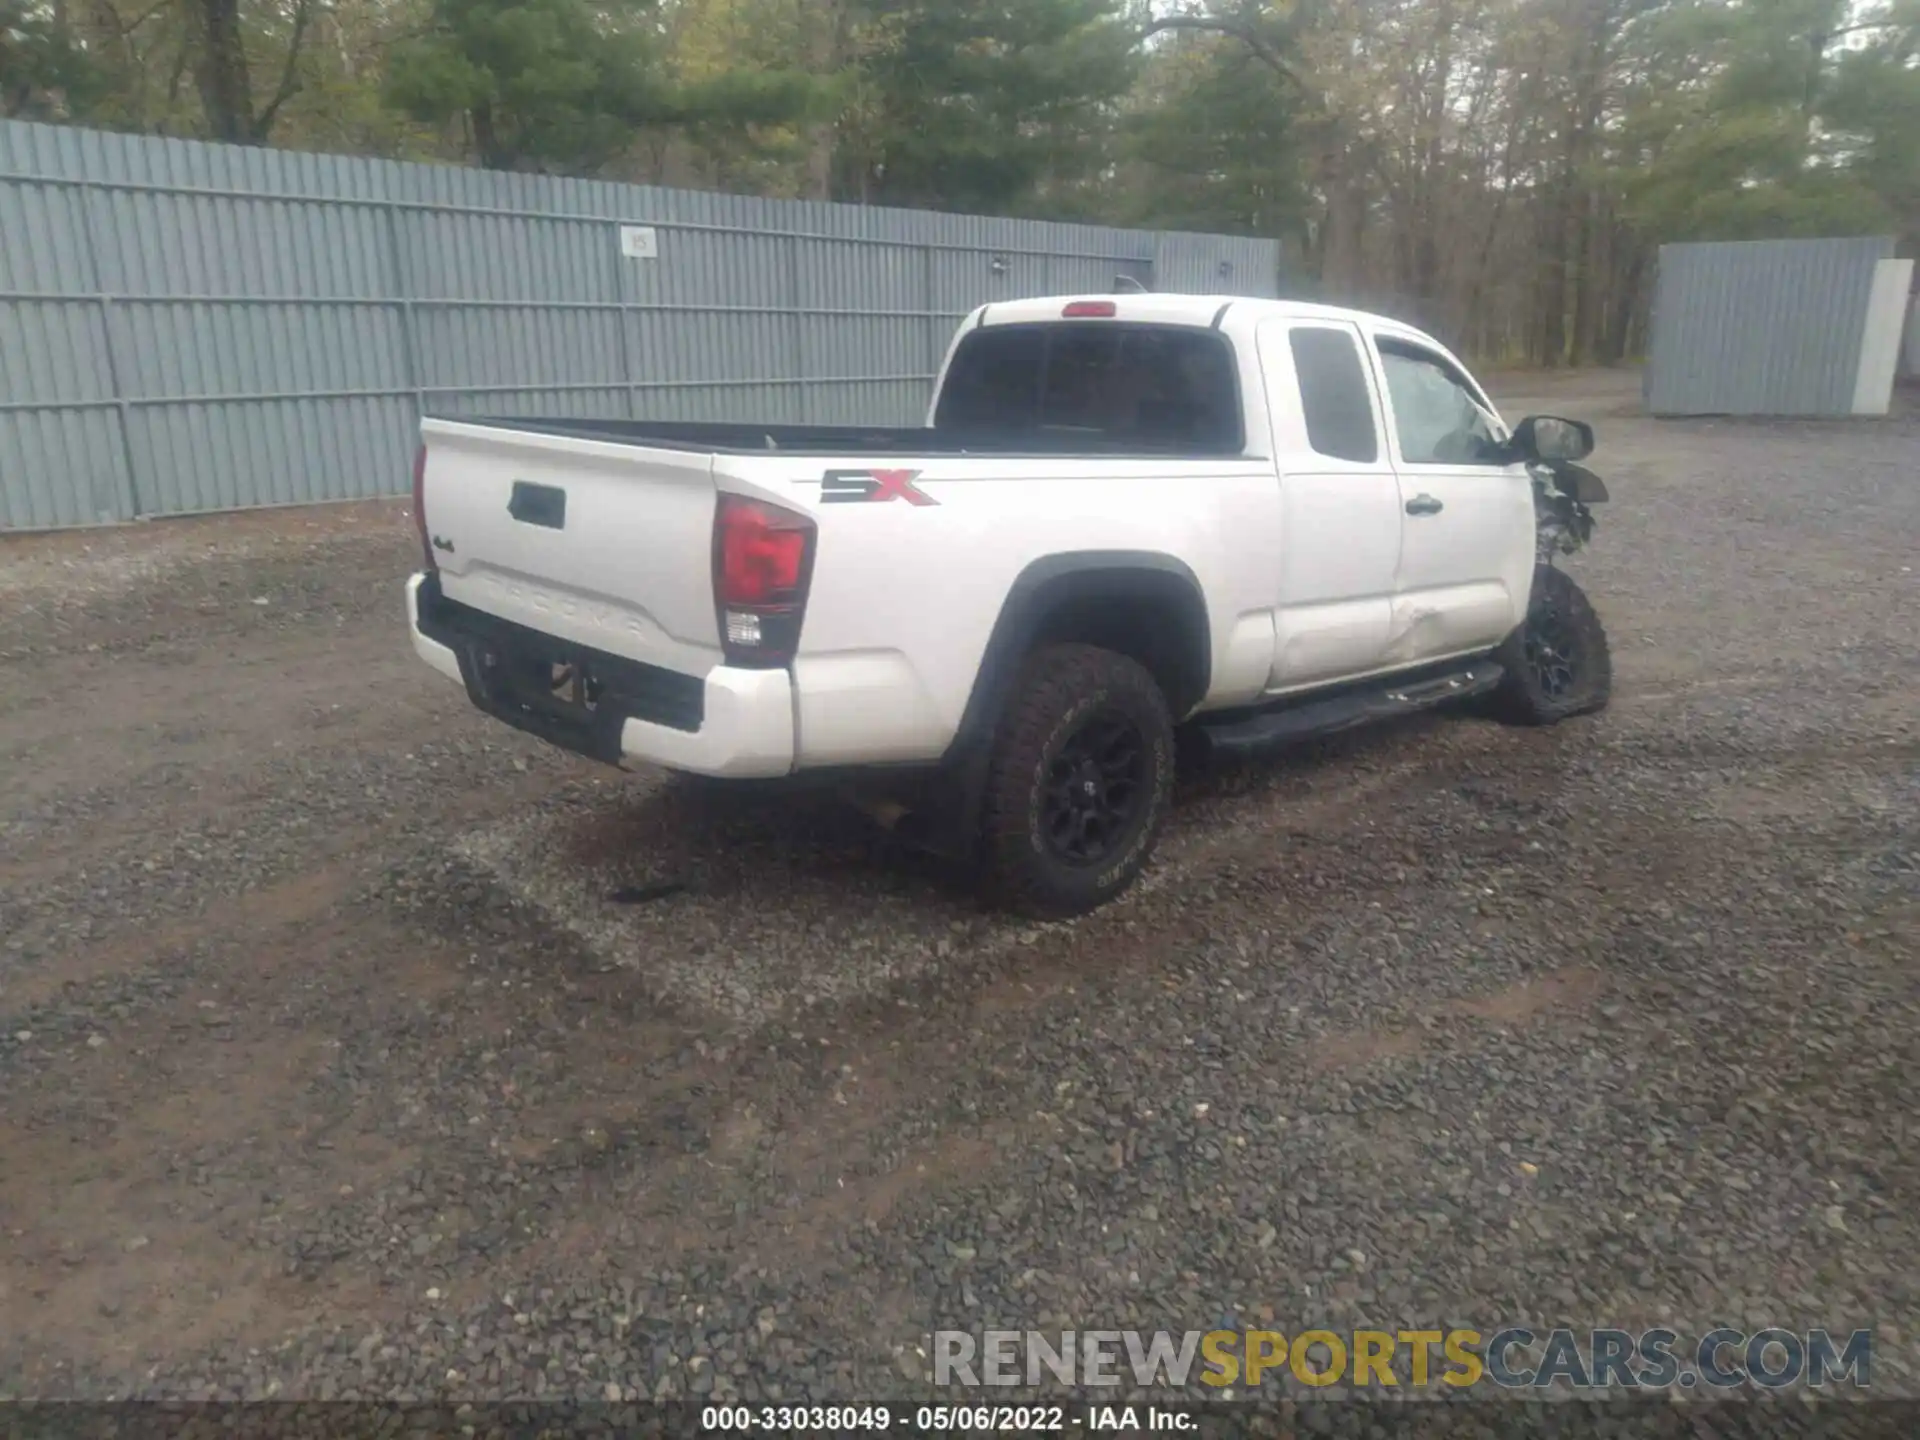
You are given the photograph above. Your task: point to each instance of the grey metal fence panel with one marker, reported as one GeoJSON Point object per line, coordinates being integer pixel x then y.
{"type": "Point", "coordinates": [1212, 265]}
{"type": "Point", "coordinates": [187, 327]}
{"type": "Point", "coordinates": [1761, 327]}
{"type": "Point", "coordinates": [63, 458]}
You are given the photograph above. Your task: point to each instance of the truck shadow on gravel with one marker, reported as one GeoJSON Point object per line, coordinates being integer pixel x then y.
{"type": "Point", "coordinates": [735, 907]}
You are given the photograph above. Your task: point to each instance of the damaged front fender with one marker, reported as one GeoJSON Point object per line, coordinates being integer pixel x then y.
{"type": "Point", "coordinates": [1563, 497]}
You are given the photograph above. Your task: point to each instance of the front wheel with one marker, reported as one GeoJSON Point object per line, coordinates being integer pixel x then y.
{"type": "Point", "coordinates": [1557, 664]}
{"type": "Point", "coordinates": [1080, 780]}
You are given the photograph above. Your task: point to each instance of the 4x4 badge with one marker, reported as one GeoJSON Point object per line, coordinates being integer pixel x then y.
{"type": "Point", "coordinates": [859, 487]}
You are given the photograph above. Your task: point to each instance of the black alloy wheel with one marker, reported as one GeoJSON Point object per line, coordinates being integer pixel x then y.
{"type": "Point", "coordinates": [1077, 784]}
{"type": "Point", "coordinates": [1552, 651]}
{"type": "Point", "coordinates": [1096, 788]}
{"type": "Point", "coordinates": [1557, 664]}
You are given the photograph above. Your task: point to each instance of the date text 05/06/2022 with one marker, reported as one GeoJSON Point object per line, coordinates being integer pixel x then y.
{"type": "Point", "coordinates": [942, 1419]}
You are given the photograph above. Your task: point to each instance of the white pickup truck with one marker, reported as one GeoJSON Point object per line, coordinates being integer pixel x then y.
{"type": "Point", "coordinates": [1132, 517]}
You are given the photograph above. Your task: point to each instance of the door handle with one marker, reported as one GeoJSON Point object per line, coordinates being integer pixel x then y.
{"type": "Point", "coordinates": [1424, 505]}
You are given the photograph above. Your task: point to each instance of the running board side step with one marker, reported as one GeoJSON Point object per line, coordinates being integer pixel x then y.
{"type": "Point", "coordinates": [1310, 719]}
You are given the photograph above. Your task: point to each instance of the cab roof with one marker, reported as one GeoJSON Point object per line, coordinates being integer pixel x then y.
{"type": "Point", "coordinates": [1164, 309]}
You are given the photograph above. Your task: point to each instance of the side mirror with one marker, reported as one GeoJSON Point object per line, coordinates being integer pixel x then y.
{"type": "Point", "coordinates": [1551, 440]}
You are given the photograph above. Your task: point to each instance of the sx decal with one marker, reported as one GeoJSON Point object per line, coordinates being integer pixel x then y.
{"type": "Point", "coordinates": [860, 487]}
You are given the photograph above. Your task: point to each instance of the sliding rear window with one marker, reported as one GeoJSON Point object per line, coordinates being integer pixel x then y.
{"type": "Point", "coordinates": [1145, 387]}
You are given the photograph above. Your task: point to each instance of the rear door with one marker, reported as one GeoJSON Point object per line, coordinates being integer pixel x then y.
{"type": "Point", "coordinates": [1466, 549]}
{"type": "Point", "coordinates": [606, 545]}
{"type": "Point", "coordinates": [1339, 500]}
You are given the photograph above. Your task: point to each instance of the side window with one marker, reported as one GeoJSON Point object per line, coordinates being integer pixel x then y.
{"type": "Point", "coordinates": [1334, 394]}
{"type": "Point", "coordinates": [1437, 417]}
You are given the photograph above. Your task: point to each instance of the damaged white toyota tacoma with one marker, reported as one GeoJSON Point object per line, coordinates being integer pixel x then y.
{"type": "Point", "coordinates": [1129, 521]}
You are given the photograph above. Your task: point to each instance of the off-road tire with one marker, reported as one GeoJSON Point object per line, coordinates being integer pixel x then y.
{"type": "Point", "coordinates": [1560, 615]}
{"type": "Point", "coordinates": [1062, 691]}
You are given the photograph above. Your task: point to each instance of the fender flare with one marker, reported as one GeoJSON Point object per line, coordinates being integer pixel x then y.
{"type": "Point", "coordinates": [1058, 579]}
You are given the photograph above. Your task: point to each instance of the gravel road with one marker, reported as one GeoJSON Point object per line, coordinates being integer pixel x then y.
{"type": "Point", "coordinates": [328, 1067]}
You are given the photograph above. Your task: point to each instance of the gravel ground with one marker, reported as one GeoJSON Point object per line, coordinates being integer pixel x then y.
{"type": "Point", "coordinates": [328, 1068]}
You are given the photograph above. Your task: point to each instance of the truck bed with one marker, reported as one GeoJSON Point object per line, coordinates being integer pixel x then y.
{"type": "Point", "coordinates": [739, 438]}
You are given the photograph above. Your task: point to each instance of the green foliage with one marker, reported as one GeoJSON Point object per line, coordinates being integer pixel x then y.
{"type": "Point", "coordinates": [1501, 169]}
{"type": "Point", "coordinates": [986, 104]}
{"type": "Point", "coordinates": [1211, 145]}
{"type": "Point", "coordinates": [1756, 123]}
{"type": "Point", "coordinates": [566, 85]}
{"type": "Point", "coordinates": [1741, 175]}
{"type": "Point", "coordinates": [541, 83]}
{"type": "Point", "coordinates": [45, 73]}
{"type": "Point", "coordinates": [748, 121]}
{"type": "Point", "coordinates": [1873, 109]}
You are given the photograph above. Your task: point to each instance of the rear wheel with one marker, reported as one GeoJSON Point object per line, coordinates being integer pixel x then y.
{"type": "Point", "coordinates": [1079, 782]}
{"type": "Point", "coordinates": [1557, 664]}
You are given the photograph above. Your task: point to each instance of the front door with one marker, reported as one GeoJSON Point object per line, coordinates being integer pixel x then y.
{"type": "Point", "coordinates": [1340, 517]}
{"type": "Point", "coordinates": [1466, 547]}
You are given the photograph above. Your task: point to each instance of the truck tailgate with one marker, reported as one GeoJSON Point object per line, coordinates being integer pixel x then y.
{"type": "Point", "coordinates": [605, 545]}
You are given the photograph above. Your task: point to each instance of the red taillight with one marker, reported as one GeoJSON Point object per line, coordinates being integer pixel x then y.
{"type": "Point", "coordinates": [1089, 310]}
{"type": "Point", "coordinates": [762, 562]}
{"type": "Point", "coordinates": [762, 551]}
{"type": "Point", "coordinates": [420, 506]}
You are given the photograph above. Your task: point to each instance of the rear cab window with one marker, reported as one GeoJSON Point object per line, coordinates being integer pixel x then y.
{"type": "Point", "coordinates": [1118, 385]}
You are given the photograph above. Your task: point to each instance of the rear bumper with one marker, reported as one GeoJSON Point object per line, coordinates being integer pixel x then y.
{"type": "Point", "coordinates": [731, 723]}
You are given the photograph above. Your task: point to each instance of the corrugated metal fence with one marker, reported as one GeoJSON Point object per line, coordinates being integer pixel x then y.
{"type": "Point", "coordinates": [189, 327]}
{"type": "Point", "coordinates": [1761, 327]}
